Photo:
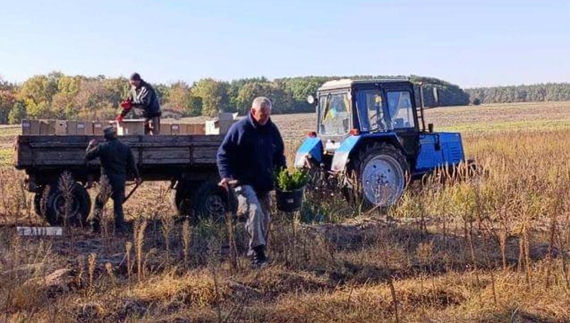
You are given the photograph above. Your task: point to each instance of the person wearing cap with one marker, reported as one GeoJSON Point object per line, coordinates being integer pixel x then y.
{"type": "Point", "coordinates": [251, 153]}
{"type": "Point", "coordinates": [116, 160]}
{"type": "Point", "coordinates": [142, 96]}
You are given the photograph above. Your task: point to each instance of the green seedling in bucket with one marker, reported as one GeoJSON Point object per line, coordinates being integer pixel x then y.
{"type": "Point", "coordinates": [292, 180]}
{"type": "Point", "coordinates": [290, 189]}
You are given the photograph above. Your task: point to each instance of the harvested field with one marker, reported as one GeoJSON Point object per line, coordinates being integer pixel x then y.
{"type": "Point", "coordinates": [494, 248]}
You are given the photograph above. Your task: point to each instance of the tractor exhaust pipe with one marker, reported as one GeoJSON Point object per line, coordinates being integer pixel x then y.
{"type": "Point", "coordinates": [422, 106]}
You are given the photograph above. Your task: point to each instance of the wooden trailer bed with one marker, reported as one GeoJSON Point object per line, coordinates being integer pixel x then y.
{"type": "Point", "coordinates": [187, 161]}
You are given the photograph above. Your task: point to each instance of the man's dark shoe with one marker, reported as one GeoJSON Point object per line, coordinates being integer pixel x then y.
{"type": "Point", "coordinates": [122, 227]}
{"type": "Point", "coordinates": [259, 259]}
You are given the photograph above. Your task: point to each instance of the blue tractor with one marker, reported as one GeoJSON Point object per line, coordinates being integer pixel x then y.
{"type": "Point", "coordinates": [371, 139]}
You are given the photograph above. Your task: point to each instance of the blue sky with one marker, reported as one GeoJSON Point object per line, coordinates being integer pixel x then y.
{"type": "Point", "coordinates": [469, 43]}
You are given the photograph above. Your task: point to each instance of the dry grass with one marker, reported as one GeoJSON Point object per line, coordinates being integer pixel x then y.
{"type": "Point", "coordinates": [6, 154]}
{"type": "Point", "coordinates": [493, 248]}
{"type": "Point", "coordinates": [11, 130]}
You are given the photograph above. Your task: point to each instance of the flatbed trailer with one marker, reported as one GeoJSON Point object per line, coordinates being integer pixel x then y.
{"type": "Point", "coordinates": [188, 162]}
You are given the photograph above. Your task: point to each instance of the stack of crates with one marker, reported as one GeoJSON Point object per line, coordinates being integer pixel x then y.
{"type": "Point", "coordinates": [176, 128]}
{"type": "Point", "coordinates": [63, 127]}
{"type": "Point", "coordinates": [129, 127]}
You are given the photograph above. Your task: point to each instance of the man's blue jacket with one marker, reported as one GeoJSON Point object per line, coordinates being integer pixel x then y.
{"type": "Point", "coordinates": [251, 153]}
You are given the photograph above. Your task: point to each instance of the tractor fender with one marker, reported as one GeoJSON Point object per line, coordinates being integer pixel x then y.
{"type": "Point", "coordinates": [353, 143]}
{"type": "Point", "coordinates": [311, 148]}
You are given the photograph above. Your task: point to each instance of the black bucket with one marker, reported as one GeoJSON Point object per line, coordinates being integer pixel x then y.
{"type": "Point", "coordinates": [289, 201]}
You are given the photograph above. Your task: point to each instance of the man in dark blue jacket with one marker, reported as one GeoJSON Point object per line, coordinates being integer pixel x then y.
{"type": "Point", "coordinates": [251, 152]}
{"type": "Point", "coordinates": [143, 96]}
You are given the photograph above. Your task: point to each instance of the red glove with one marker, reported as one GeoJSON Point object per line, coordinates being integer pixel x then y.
{"type": "Point", "coordinates": [119, 118]}
{"type": "Point", "coordinates": [127, 105]}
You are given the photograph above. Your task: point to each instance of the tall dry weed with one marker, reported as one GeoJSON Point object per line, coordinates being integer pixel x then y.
{"type": "Point", "coordinates": [186, 240]}
{"type": "Point", "coordinates": [139, 230]}
{"type": "Point", "coordinates": [15, 203]}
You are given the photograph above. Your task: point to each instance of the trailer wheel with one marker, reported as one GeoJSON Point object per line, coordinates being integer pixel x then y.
{"type": "Point", "coordinates": [378, 175]}
{"type": "Point", "coordinates": [38, 201]}
{"type": "Point", "coordinates": [181, 198]}
{"type": "Point", "coordinates": [79, 209]}
{"type": "Point", "coordinates": [211, 202]}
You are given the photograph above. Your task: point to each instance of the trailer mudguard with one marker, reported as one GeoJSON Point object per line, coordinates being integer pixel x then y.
{"type": "Point", "coordinates": [311, 148]}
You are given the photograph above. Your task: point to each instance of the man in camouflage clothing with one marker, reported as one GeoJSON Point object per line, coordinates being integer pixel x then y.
{"type": "Point", "coordinates": [116, 159]}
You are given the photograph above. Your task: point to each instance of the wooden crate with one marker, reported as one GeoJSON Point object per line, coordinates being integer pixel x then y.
{"type": "Point", "coordinates": [165, 129]}
{"type": "Point", "coordinates": [177, 128]}
{"type": "Point", "coordinates": [71, 127]}
{"type": "Point", "coordinates": [196, 128]}
{"type": "Point", "coordinates": [47, 127]}
{"type": "Point", "coordinates": [84, 128]}
{"type": "Point", "coordinates": [60, 127]}
{"type": "Point", "coordinates": [132, 127]}
{"type": "Point", "coordinates": [98, 127]}
{"type": "Point", "coordinates": [30, 127]}
{"type": "Point", "coordinates": [80, 128]}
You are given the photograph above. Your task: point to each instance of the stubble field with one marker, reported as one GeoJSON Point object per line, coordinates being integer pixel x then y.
{"type": "Point", "coordinates": [494, 248]}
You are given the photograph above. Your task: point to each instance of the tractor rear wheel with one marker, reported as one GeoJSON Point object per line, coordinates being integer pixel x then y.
{"type": "Point", "coordinates": [378, 175]}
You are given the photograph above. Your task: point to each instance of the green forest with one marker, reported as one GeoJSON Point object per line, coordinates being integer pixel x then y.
{"type": "Point", "coordinates": [59, 96]}
{"type": "Point", "coordinates": [520, 93]}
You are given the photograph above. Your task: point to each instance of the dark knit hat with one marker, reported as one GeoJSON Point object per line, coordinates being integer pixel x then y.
{"type": "Point", "coordinates": [109, 132]}
{"type": "Point", "coordinates": [135, 77]}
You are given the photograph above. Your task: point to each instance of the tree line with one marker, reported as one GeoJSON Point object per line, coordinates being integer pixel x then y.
{"type": "Point", "coordinates": [60, 96]}
{"type": "Point", "coordinates": [520, 93]}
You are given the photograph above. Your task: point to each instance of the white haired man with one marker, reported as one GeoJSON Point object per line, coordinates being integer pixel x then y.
{"type": "Point", "coordinates": [251, 152]}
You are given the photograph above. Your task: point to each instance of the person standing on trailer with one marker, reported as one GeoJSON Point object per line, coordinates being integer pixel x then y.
{"type": "Point", "coordinates": [142, 96]}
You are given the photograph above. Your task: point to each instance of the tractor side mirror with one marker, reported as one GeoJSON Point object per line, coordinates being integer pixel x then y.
{"type": "Point", "coordinates": [430, 127]}
{"type": "Point", "coordinates": [311, 99]}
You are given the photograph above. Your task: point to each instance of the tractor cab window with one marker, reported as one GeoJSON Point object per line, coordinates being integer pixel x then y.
{"type": "Point", "coordinates": [400, 109]}
{"type": "Point", "coordinates": [334, 114]}
{"type": "Point", "coordinates": [370, 101]}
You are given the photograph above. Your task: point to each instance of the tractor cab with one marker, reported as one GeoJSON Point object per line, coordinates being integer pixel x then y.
{"type": "Point", "coordinates": [348, 107]}
{"type": "Point", "coordinates": [374, 132]}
